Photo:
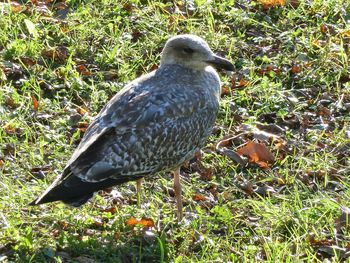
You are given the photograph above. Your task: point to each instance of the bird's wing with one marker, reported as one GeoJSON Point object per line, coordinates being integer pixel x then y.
{"type": "Point", "coordinates": [134, 110]}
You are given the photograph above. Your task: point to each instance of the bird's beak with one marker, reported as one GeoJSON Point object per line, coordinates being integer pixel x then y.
{"type": "Point", "coordinates": [220, 63]}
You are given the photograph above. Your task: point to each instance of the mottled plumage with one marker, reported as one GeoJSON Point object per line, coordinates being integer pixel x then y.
{"type": "Point", "coordinates": [155, 123]}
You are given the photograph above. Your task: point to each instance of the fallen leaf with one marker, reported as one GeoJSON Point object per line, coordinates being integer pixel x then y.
{"type": "Point", "coordinates": [242, 83]}
{"type": "Point", "coordinates": [322, 242]}
{"type": "Point", "coordinates": [11, 70]}
{"type": "Point", "coordinates": [16, 7]}
{"type": "Point", "coordinates": [9, 102]}
{"type": "Point", "coordinates": [294, 3]}
{"type": "Point", "coordinates": [35, 103]}
{"type": "Point", "coordinates": [247, 188]}
{"type": "Point", "coordinates": [281, 145]}
{"type": "Point", "coordinates": [83, 126]}
{"type": "Point", "coordinates": [233, 156]}
{"type": "Point", "coordinates": [296, 69]}
{"type": "Point", "coordinates": [9, 128]}
{"type": "Point", "coordinates": [345, 33]}
{"type": "Point", "coordinates": [225, 91]}
{"type": "Point", "coordinates": [82, 110]}
{"type": "Point", "coordinates": [153, 67]}
{"type": "Point", "coordinates": [145, 222]}
{"type": "Point", "coordinates": [272, 3]}
{"type": "Point", "coordinates": [28, 61]}
{"type": "Point", "coordinates": [90, 232]}
{"type": "Point", "coordinates": [55, 233]}
{"type": "Point", "coordinates": [64, 225]}
{"type": "Point", "coordinates": [62, 10]}
{"type": "Point", "coordinates": [269, 69]}
{"type": "Point", "coordinates": [128, 7]}
{"type": "Point", "coordinates": [264, 190]}
{"type": "Point", "coordinates": [323, 28]}
{"type": "Point", "coordinates": [2, 163]}
{"type": "Point", "coordinates": [98, 222]}
{"type": "Point", "coordinates": [136, 34]}
{"type": "Point", "coordinates": [270, 128]}
{"type": "Point", "coordinates": [83, 70]}
{"type": "Point", "coordinates": [198, 197]}
{"type": "Point", "coordinates": [59, 53]}
{"type": "Point", "coordinates": [206, 173]}
{"type": "Point", "coordinates": [323, 111]}
{"type": "Point", "coordinates": [258, 153]}
{"type": "Point", "coordinates": [111, 210]}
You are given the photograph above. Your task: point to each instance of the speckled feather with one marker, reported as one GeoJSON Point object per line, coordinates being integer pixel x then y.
{"type": "Point", "coordinates": [147, 128]}
{"type": "Point", "coordinates": [155, 123]}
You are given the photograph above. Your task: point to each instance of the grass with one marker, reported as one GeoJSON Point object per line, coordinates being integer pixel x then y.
{"type": "Point", "coordinates": [72, 56]}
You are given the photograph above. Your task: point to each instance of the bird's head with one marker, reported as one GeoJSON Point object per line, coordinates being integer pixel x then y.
{"type": "Point", "coordinates": [192, 52]}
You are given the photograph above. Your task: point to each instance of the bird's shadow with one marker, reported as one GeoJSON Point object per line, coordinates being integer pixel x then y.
{"type": "Point", "coordinates": [135, 246]}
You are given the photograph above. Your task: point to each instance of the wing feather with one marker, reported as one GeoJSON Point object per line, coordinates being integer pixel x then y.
{"type": "Point", "coordinates": [121, 137]}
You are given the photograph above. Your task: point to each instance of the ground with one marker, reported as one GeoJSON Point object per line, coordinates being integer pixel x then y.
{"type": "Point", "coordinates": [272, 183]}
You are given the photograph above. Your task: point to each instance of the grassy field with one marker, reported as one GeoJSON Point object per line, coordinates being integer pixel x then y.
{"type": "Point", "coordinates": [60, 62]}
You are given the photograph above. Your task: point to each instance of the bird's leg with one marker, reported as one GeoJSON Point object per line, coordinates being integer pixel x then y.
{"type": "Point", "coordinates": [138, 190]}
{"type": "Point", "coordinates": [178, 194]}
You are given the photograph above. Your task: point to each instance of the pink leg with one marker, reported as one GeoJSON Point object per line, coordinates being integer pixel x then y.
{"type": "Point", "coordinates": [138, 190]}
{"type": "Point", "coordinates": [178, 194]}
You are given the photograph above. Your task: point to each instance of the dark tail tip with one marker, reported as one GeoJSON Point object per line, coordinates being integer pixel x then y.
{"type": "Point", "coordinates": [33, 203]}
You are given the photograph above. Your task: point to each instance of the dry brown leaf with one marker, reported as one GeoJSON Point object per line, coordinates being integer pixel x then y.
{"type": "Point", "coordinates": [153, 67]}
{"type": "Point", "coordinates": [129, 7]}
{"type": "Point", "coordinates": [16, 7]}
{"type": "Point", "coordinates": [28, 61]}
{"type": "Point", "coordinates": [281, 145]}
{"type": "Point", "coordinates": [145, 222]}
{"type": "Point", "coordinates": [247, 188]}
{"type": "Point", "coordinates": [258, 153]}
{"type": "Point", "coordinates": [225, 91]}
{"type": "Point", "coordinates": [9, 128]}
{"type": "Point", "coordinates": [243, 83]}
{"type": "Point", "coordinates": [323, 242]}
{"type": "Point", "coordinates": [35, 103]}
{"type": "Point", "coordinates": [198, 197]}
{"type": "Point", "coordinates": [323, 28]}
{"type": "Point", "coordinates": [2, 163]}
{"type": "Point", "coordinates": [82, 110]}
{"type": "Point", "coordinates": [206, 173]}
{"type": "Point", "coordinates": [111, 210]}
{"type": "Point", "coordinates": [272, 3]}
{"type": "Point", "coordinates": [10, 102]}
{"type": "Point", "coordinates": [294, 3]}
{"type": "Point", "coordinates": [83, 126]}
{"type": "Point", "coordinates": [296, 69]}
{"type": "Point", "coordinates": [60, 53]}
{"type": "Point", "coordinates": [323, 111]}
{"type": "Point", "coordinates": [346, 33]}
{"type": "Point", "coordinates": [136, 34]}
{"type": "Point", "coordinates": [64, 225]}
{"type": "Point", "coordinates": [270, 128]}
{"type": "Point", "coordinates": [83, 70]}
{"type": "Point", "coordinates": [98, 222]}
{"type": "Point", "coordinates": [269, 69]}
{"type": "Point", "coordinates": [55, 232]}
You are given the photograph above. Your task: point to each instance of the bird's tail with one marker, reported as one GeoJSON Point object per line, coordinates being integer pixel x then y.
{"type": "Point", "coordinates": [73, 191]}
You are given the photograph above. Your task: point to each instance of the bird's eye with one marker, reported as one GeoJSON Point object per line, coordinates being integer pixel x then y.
{"type": "Point", "coordinates": [188, 50]}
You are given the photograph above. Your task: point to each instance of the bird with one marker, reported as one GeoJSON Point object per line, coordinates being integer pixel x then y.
{"type": "Point", "coordinates": [155, 123]}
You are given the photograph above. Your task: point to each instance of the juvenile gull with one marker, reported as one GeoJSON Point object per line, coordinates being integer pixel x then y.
{"type": "Point", "coordinates": [155, 123]}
